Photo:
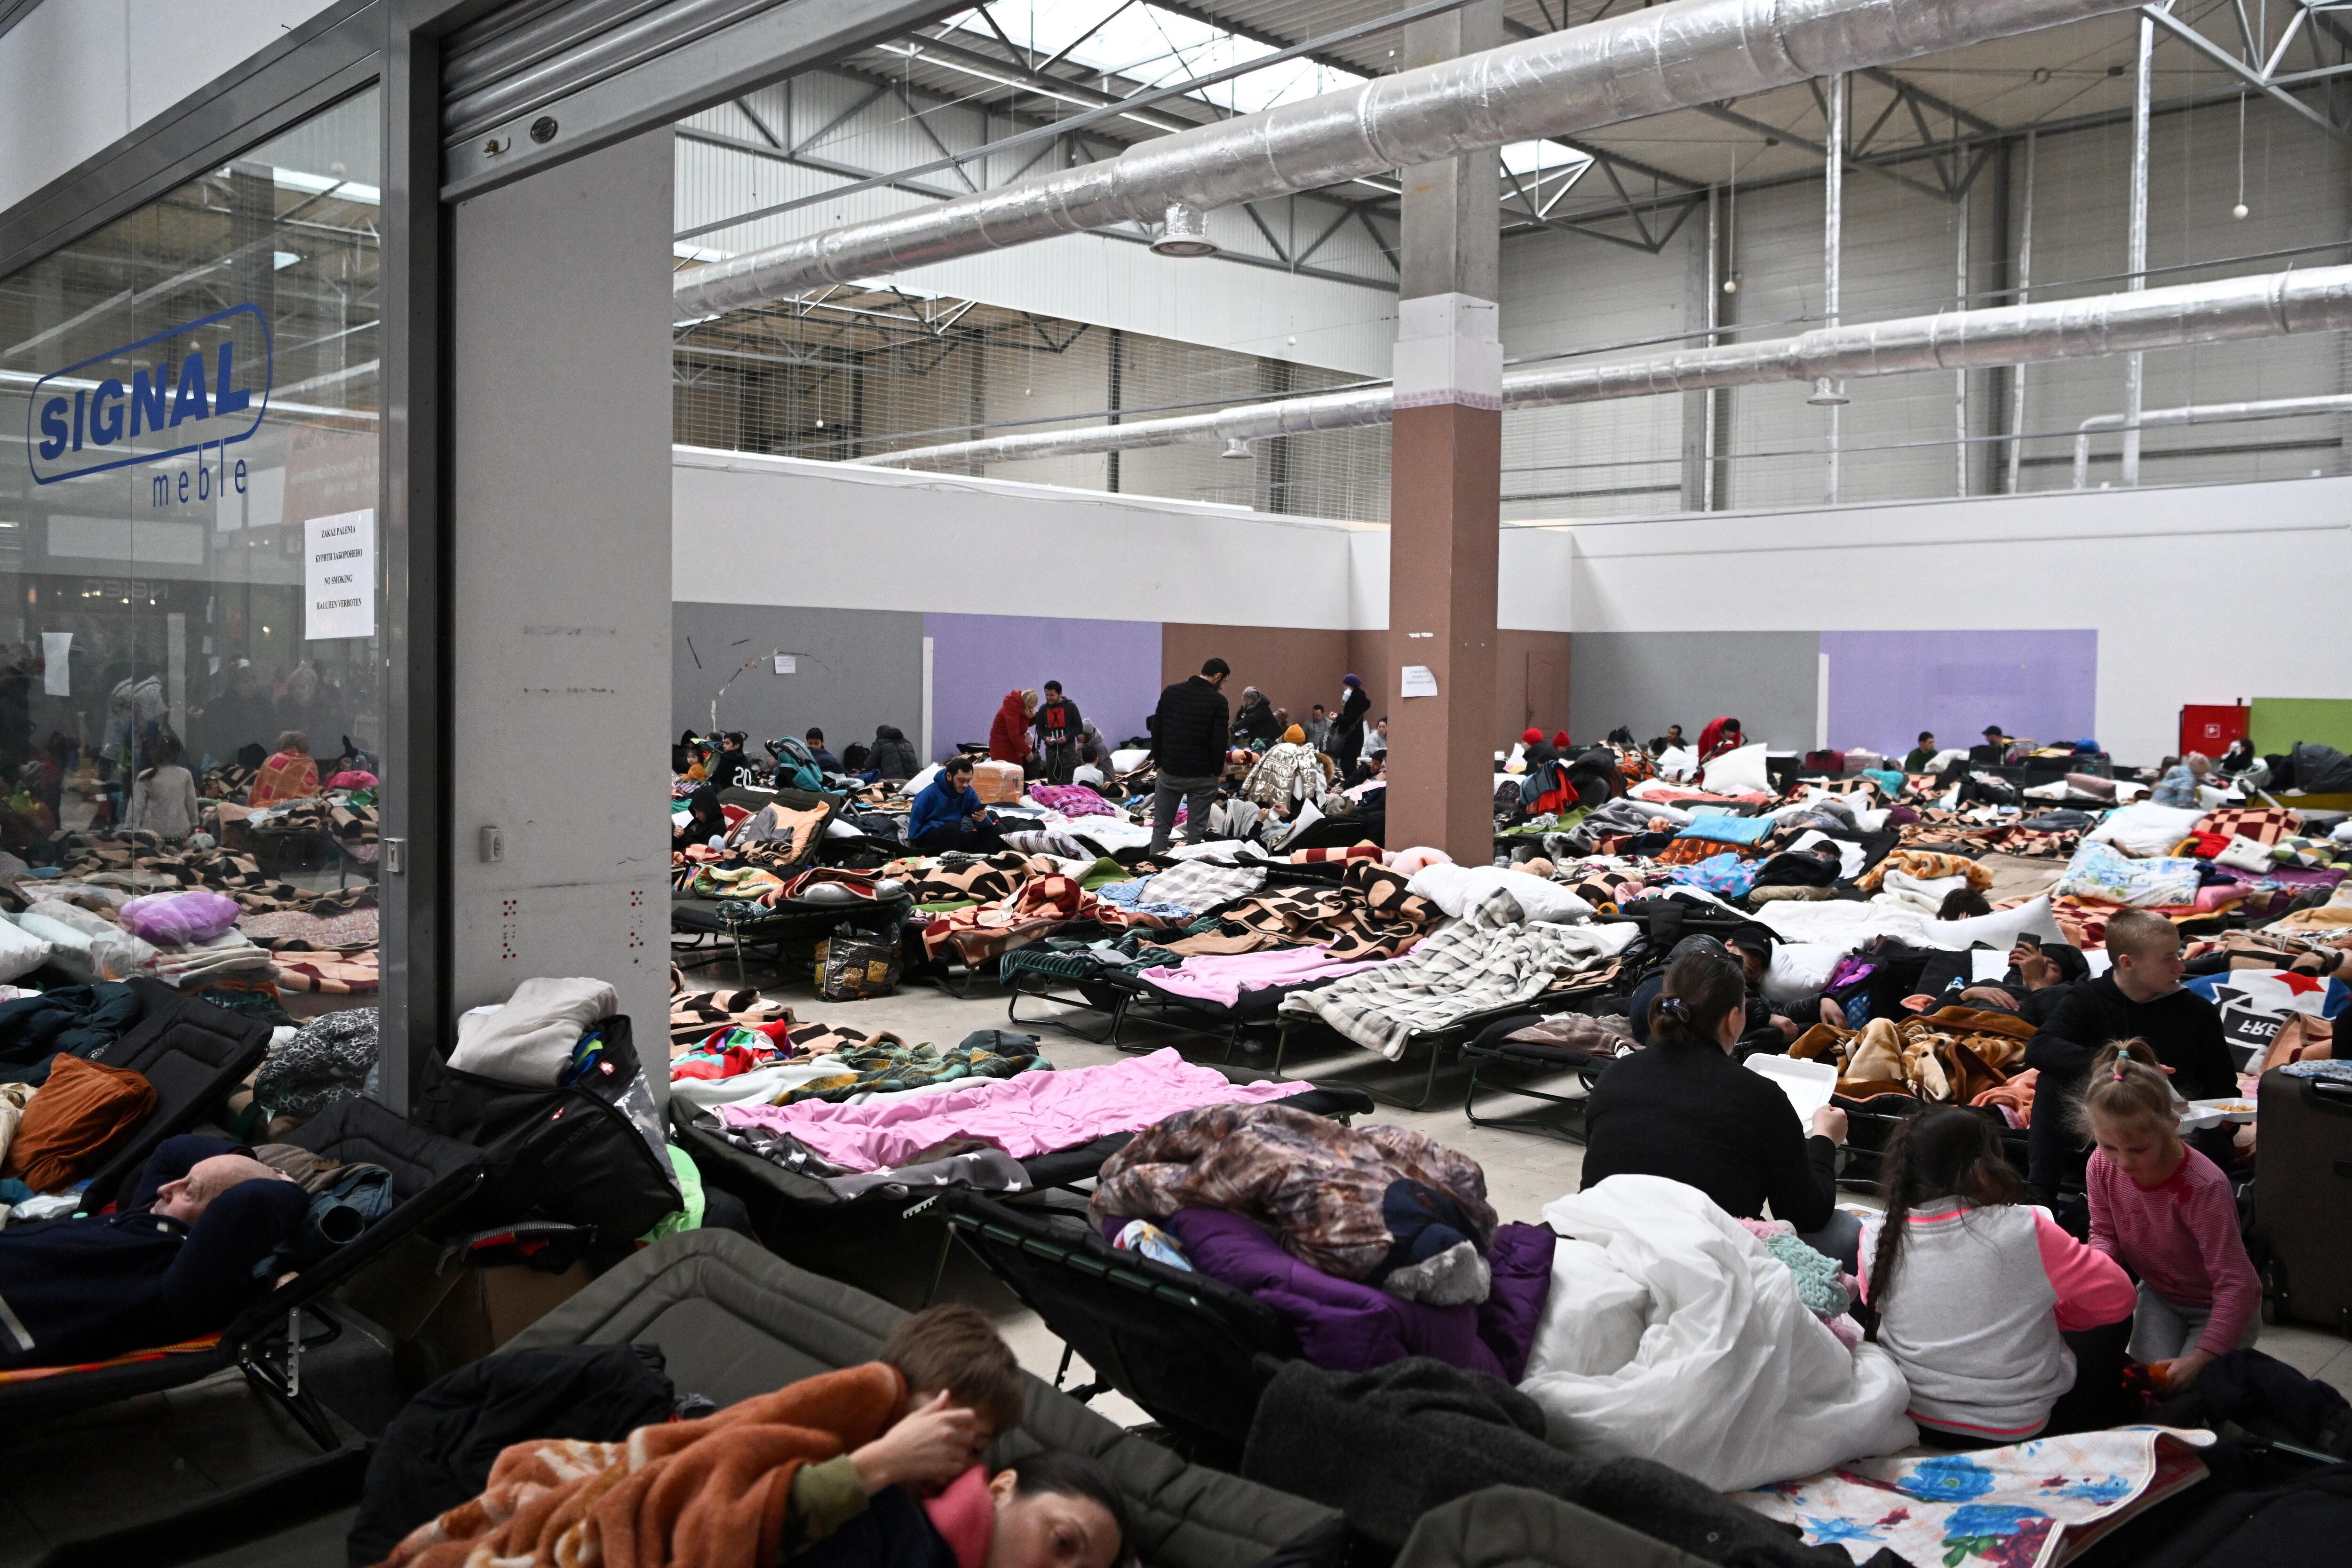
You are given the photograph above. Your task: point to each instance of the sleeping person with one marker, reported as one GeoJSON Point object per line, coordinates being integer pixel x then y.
{"type": "Point", "coordinates": [175, 1262]}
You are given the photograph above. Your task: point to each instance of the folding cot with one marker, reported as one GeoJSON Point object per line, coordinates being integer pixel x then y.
{"type": "Point", "coordinates": [798, 1213]}
{"type": "Point", "coordinates": [430, 1175]}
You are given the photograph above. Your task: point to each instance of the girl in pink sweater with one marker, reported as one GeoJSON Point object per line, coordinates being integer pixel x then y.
{"type": "Point", "coordinates": [2167, 1213]}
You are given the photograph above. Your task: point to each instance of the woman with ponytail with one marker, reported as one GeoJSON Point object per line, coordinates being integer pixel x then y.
{"type": "Point", "coordinates": [2167, 1213]}
{"type": "Point", "coordinates": [1976, 1292]}
{"type": "Point", "coordinates": [1683, 1108]}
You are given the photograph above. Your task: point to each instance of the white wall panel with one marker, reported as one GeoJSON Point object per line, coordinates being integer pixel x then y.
{"type": "Point", "coordinates": [2142, 569]}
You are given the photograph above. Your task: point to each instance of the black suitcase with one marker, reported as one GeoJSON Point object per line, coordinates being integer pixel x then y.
{"type": "Point", "coordinates": [2303, 1199]}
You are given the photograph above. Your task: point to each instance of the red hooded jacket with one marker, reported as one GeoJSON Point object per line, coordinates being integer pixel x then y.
{"type": "Point", "coordinates": [1008, 732]}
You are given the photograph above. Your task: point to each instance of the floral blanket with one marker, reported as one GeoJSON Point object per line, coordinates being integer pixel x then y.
{"type": "Point", "coordinates": [2030, 1505]}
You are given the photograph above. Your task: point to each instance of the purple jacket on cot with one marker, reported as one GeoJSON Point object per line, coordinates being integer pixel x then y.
{"type": "Point", "coordinates": [1343, 1326]}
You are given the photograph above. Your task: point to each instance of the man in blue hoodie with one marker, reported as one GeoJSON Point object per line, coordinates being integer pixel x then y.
{"type": "Point", "coordinates": [946, 814]}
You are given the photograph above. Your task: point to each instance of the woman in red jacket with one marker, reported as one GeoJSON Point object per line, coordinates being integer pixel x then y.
{"type": "Point", "coordinates": [1008, 732]}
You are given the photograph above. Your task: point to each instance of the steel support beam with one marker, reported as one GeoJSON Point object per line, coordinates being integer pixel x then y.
{"type": "Point", "coordinates": [669, 87]}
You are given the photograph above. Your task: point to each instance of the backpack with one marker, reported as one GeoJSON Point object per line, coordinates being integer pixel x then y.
{"type": "Point", "coordinates": [589, 1153]}
{"type": "Point", "coordinates": [795, 765]}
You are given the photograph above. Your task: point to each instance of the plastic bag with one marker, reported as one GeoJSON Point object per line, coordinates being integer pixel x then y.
{"type": "Point", "coordinates": [852, 963]}
{"type": "Point", "coordinates": [179, 919]}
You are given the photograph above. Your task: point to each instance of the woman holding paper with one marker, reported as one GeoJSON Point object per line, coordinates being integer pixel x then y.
{"type": "Point", "coordinates": [1682, 1109]}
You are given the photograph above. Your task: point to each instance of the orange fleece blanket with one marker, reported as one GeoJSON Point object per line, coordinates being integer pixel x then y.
{"type": "Point", "coordinates": [699, 1494]}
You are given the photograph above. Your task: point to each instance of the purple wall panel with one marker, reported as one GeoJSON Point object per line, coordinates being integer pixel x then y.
{"type": "Point", "coordinates": [1110, 670]}
{"type": "Point", "coordinates": [1886, 687]}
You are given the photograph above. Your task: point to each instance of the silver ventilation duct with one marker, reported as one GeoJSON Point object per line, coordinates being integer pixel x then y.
{"type": "Point", "coordinates": [1674, 55]}
{"type": "Point", "coordinates": [2314, 300]}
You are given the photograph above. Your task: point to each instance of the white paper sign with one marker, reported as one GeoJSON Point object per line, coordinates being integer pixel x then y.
{"type": "Point", "coordinates": [1807, 1084]}
{"type": "Point", "coordinates": [787, 663]}
{"type": "Point", "coordinates": [57, 663]}
{"type": "Point", "coordinates": [338, 575]}
{"type": "Point", "coordinates": [1419, 681]}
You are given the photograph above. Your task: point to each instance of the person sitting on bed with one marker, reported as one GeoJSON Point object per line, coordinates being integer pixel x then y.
{"type": "Point", "coordinates": [705, 819]}
{"type": "Point", "coordinates": [947, 815]}
{"type": "Point", "coordinates": [289, 775]}
{"type": "Point", "coordinates": [175, 1262]}
{"type": "Point", "coordinates": [1681, 1107]}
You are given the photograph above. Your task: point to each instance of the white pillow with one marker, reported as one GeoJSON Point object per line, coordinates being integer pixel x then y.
{"type": "Point", "coordinates": [1738, 772]}
{"type": "Point", "coordinates": [1454, 889]}
{"type": "Point", "coordinates": [1800, 968]}
{"type": "Point", "coordinates": [1126, 758]}
{"type": "Point", "coordinates": [21, 952]}
{"type": "Point", "coordinates": [1999, 929]}
{"type": "Point", "coordinates": [1678, 762]}
{"type": "Point", "coordinates": [2146, 828]}
{"type": "Point", "coordinates": [920, 782]}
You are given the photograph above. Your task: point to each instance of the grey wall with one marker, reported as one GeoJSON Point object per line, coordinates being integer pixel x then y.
{"type": "Point", "coordinates": [561, 582]}
{"type": "Point", "coordinates": [1770, 682]}
{"type": "Point", "coordinates": [854, 669]}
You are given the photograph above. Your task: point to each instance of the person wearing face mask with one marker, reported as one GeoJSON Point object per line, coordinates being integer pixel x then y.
{"type": "Point", "coordinates": [2141, 997]}
{"type": "Point", "coordinates": [175, 1261]}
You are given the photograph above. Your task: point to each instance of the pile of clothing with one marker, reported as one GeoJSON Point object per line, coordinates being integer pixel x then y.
{"type": "Point", "coordinates": [1374, 1243]}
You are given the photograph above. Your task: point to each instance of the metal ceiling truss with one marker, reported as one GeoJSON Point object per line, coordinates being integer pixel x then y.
{"type": "Point", "coordinates": [2261, 62]}
{"type": "Point", "coordinates": [1063, 144]}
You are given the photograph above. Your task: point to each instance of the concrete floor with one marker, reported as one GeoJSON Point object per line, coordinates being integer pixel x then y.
{"type": "Point", "coordinates": [165, 1452]}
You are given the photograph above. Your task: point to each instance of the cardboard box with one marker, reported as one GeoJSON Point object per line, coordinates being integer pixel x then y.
{"type": "Point", "coordinates": [996, 784]}
{"type": "Point", "coordinates": [441, 1317]}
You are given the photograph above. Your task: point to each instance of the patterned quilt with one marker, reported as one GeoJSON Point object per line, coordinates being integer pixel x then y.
{"type": "Point", "coordinates": [1491, 957]}
{"type": "Point", "coordinates": [2030, 1505]}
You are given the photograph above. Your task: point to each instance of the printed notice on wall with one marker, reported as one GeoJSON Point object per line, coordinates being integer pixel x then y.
{"type": "Point", "coordinates": [57, 663]}
{"type": "Point", "coordinates": [338, 575]}
{"type": "Point", "coordinates": [1419, 681]}
{"type": "Point", "coordinates": [787, 663]}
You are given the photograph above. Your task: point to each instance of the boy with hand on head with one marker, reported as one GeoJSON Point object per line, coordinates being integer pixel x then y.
{"type": "Point", "coordinates": [964, 1388]}
{"type": "Point", "coordinates": [919, 1494]}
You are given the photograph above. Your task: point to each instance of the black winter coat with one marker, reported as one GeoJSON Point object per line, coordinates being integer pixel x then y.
{"type": "Point", "coordinates": [893, 756]}
{"type": "Point", "coordinates": [436, 1454]}
{"type": "Point", "coordinates": [1189, 730]}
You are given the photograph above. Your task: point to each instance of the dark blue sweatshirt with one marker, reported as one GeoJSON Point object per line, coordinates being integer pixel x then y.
{"type": "Point", "coordinates": [83, 1289]}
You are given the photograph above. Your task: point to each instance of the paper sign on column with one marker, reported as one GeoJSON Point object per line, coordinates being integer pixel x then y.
{"type": "Point", "coordinates": [1807, 1084]}
{"type": "Point", "coordinates": [1419, 681]}
{"type": "Point", "coordinates": [57, 663]}
{"type": "Point", "coordinates": [338, 575]}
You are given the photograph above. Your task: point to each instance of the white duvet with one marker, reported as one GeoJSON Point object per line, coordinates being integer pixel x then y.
{"type": "Point", "coordinates": [1672, 1334]}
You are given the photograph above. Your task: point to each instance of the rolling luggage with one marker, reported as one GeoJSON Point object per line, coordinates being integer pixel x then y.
{"type": "Point", "coordinates": [2303, 1199]}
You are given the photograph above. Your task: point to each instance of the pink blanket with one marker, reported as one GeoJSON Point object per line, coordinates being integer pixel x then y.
{"type": "Point", "coordinates": [1026, 1116]}
{"type": "Point", "coordinates": [1222, 977]}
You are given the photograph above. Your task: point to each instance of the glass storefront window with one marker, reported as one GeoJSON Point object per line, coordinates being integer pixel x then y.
{"type": "Point", "coordinates": [188, 574]}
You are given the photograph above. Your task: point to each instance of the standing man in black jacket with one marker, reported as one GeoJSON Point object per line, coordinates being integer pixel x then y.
{"type": "Point", "coordinates": [2141, 997]}
{"type": "Point", "coordinates": [1188, 736]}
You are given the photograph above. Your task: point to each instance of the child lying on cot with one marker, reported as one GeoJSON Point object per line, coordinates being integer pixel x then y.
{"type": "Point", "coordinates": [872, 1463]}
